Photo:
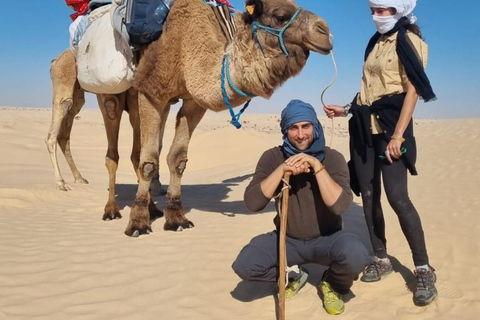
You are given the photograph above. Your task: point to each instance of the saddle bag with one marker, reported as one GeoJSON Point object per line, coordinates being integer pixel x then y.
{"type": "Point", "coordinates": [144, 19]}
{"type": "Point", "coordinates": [105, 61]}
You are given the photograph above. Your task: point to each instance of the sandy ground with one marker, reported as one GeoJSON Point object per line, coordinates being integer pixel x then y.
{"type": "Point", "coordinates": [59, 260]}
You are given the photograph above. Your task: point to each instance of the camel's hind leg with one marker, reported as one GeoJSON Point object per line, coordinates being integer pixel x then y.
{"type": "Point", "coordinates": [132, 106]}
{"type": "Point", "coordinates": [112, 107]}
{"type": "Point", "coordinates": [188, 118]}
{"type": "Point", "coordinates": [68, 100]}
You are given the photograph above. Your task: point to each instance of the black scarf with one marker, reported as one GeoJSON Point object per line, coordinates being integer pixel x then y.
{"type": "Point", "coordinates": [413, 67]}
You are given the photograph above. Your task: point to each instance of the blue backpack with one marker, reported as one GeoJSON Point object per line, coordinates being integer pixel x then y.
{"type": "Point", "coordinates": [144, 19]}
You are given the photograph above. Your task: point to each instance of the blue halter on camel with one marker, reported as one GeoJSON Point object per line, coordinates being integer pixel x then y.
{"type": "Point", "coordinates": [299, 111]}
{"type": "Point", "coordinates": [225, 72]}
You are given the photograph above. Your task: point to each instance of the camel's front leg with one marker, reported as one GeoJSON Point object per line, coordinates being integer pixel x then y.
{"type": "Point", "coordinates": [156, 186]}
{"type": "Point", "coordinates": [112, 107]}
{"type": "Point", "coordinates": [188, 118]}
{"type": "Point", "coordinates": [134, 116]}
{"type": "Point", "coordinates": [150, 122]}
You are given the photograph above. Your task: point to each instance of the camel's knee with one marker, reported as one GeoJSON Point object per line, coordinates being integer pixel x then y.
{"type": "Point", "coordinates": [66, 104]}
{"type": "Point", "coordinates": [177, 161]}
{"type": "Point", "coordinates": [111, 105]}
{"type": "Point", "coordinates": [180, 168]}
{"type": "Point", "coordinates": [148, 170]}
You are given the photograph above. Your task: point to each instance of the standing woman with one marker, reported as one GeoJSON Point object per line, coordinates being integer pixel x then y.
{"type": "Point", "coordinates": [382, 143]}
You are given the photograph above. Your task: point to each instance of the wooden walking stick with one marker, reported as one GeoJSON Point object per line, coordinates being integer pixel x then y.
{"type": "Point", "coordinates": [282, 265]}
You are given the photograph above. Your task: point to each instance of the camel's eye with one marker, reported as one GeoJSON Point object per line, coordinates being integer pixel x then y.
{"type": "Point", "coordinates": [282, 15]}
{"type": "Point", "coordinates": [283, 18]}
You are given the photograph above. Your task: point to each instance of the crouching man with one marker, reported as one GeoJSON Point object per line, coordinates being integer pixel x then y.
{"type": "Point", "coordinates": [319, 195]}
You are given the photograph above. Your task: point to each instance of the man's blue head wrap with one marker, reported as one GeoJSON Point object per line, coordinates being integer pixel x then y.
{"type": "Point", "coordinates": [299, 111]}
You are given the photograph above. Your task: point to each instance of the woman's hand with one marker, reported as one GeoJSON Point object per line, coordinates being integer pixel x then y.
{"type": "Point", "coordinates": [333, 110]}
{"type": "Point", "coordinates": [393, 150]}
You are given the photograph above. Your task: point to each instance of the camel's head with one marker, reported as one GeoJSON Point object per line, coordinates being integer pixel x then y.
{"type": "Point", "coordinates": [295, 27]}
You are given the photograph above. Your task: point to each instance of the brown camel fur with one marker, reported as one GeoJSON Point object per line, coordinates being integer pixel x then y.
{"type": "Point", "coordinates": [185, 64]}
{"type": "Point", "coordinates": [68, 100]}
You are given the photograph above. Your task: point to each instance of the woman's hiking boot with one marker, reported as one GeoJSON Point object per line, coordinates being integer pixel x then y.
{"type": "Point", "coordinates": [377, 270]}
{"type": "Point", "coordinates": [426, 291]}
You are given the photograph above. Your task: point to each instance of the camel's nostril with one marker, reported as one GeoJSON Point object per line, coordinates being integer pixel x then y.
{"type": "Point", "coordinates": [323, 29]}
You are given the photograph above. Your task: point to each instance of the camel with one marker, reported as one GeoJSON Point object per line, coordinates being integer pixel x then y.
{"type": "Point", "coordinates": [272, 43]}
{"type": "Point", "coordinates": [68, 100]}
{"type": "Point", "coordinates": [186, 63]}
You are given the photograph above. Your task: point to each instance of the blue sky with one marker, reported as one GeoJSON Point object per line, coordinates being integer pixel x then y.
{"type": "Point", "coordinates": [35, 31]}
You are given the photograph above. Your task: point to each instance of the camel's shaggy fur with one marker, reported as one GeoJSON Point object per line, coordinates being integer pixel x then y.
{"type": "Point", "coordinates": [185, 64]}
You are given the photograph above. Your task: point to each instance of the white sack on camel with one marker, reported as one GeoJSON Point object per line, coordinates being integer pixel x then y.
{"type": "Point", "coordinates": [104, 58]}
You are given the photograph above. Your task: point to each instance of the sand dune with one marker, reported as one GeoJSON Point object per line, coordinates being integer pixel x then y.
{"type": "Point", "coordinates": [59, 260]}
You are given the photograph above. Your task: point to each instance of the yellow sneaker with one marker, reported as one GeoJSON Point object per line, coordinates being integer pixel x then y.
{"type": "Point", "coordinates": [332, 301]}
{"type": "Point", "coordinates": [294, 286]}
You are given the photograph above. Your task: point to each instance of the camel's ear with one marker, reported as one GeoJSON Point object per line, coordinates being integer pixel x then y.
{"type": "Point", "coordinates": [254, 9]}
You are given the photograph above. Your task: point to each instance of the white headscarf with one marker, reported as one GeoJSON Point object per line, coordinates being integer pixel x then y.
{"type": "Point", "coordinates": [404, 8]}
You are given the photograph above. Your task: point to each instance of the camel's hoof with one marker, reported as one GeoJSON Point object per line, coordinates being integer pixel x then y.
{"type": "Point", "coordinates": [135, 233]}
{"type": "Point", "coordinates": [109, 216]}
{"type": "Point", "coordinates": [63, 186]}
{"type": "Point", "coordinates": [178, 226]}
{"type": "Point", "coordinates": [81, 181]}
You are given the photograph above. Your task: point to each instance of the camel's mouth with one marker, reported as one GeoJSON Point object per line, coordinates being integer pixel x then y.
{"type": "Point", "coordinates": [319, 39]}
{"type": "Point", "coordinates": [324, 48]}
{"type": "Point", "coordinates": [324, 51]}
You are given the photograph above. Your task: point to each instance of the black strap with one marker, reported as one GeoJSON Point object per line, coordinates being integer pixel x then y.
{"type": "Point", "coordinates": [409, 59]}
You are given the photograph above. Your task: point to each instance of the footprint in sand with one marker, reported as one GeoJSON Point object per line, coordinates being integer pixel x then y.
{"type": "Point", "coordinates": [447, 289]}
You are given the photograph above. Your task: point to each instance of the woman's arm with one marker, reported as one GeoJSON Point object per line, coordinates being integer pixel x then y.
{"type": "Point", "coordinates": [408, 107]}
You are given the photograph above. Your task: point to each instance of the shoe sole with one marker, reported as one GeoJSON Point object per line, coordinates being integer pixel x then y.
{"type": "Point", "coordinates": [377, 279]}
{"type": "Point", "coordinates": [334, 312]}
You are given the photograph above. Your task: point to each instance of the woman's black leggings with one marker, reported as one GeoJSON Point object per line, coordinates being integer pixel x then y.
{"type": "Point", "coordinates": [395, 183]}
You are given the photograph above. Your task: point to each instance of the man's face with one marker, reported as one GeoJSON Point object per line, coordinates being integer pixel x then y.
{"type": "Point", "coordinates": [300, 135]}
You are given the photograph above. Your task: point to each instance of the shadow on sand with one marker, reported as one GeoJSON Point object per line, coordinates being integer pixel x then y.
{"type": "Point", "coordinates": [210, 198]}
{"type": "Point", "coordinates": [203, 197]}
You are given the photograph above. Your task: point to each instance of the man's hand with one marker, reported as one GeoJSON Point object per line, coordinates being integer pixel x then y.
{"type": "Point", "coordinates": [295, 169]}
{"type": "Point", "coordinates": [301, 163]}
